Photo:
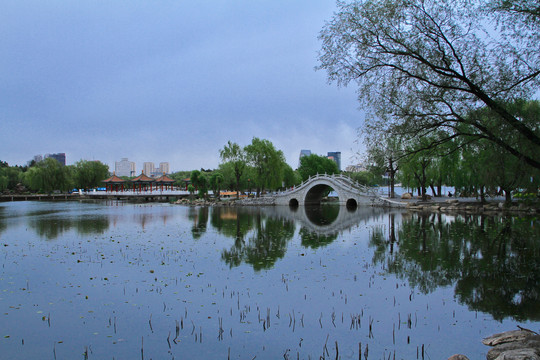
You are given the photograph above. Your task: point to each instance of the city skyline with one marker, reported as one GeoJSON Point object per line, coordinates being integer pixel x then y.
{"type": "Point", "coordinates": [96, 79]}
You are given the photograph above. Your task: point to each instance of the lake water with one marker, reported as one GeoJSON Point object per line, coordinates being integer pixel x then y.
{"type": "Point", "coordinates": [117, 280]}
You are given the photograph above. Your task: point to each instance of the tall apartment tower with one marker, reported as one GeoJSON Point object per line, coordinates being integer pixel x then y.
{"type": "Point", "coordinates": [302, 154]}
{"type": "Point", "coordinates": [60, 157]}
{"type": "Point", "coordinates": [124, 168]}
{"type": "Point", "coordinates": [336, 156]}
{"type": "Point", "coordinates": [149, 168]}
{"type": "Point", "coordinates": [164, 168]}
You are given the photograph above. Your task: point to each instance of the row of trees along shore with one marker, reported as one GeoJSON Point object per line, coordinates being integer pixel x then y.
{"type": "Point", "coordinates": [257, 167]}
{"type": "Point", "coordinates": [476, 169]}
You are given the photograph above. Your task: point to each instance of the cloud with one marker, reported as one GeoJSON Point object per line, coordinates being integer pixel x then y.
{"type": "Point", "coordinates": [168, 81]}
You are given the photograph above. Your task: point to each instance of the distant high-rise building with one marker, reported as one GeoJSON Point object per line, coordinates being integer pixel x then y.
{"type": "Point", "coordinates": [164, 168]}
{"type": "Point", "coordinates": [336, 156]}
{"type": "Point", "coordinates": [149, 168]}
{"type": "Point", "coordinates": [60, 157]}
{"type": "Point", "coordinates": [38, 158]}
{"type": "Point", "coordinates": [124, 168]}
{"type": "Point", "coordinates": [302, 154]}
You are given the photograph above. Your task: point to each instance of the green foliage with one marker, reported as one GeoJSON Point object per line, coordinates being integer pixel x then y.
{"type": "Point", "coordinates": [3, 181]}
{"type": "Point", "coordinates": [290, 177]}
{"type": "Point", "coordinates": [368, 178]}
{"type": "Point", "coordinates": [48, 175]}
{"type": "Point", "coordinates": [200, 182]}
{"type": "Point", "coordinates": [233, 153]}
{"type": "Point", "coordinates": [216, 182]}
{"type": "Point", "coordinates": [10, 176]}
{"type": "Point", "coordinates": [89, 174]}
{"type": "Point", "coordinates": [267, 162]}
{"type": "Point", "coordinates": [315, 164]}
{"type": "Point", "coordinates": [415, 167]}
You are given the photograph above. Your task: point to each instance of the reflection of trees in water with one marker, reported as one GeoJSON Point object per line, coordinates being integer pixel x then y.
{"type": "Point", "coordinates": [232, 222]}
{"type": "Point", "coordinates": [314, 240]}
{"type": "Point", "coordinates": [51, 228]}
{"type": "Point", "coordinates": [493, 260]}
{"type": "Point", "coordinates": [3, 223]}
{"type": "Point", "coordinates": [200, 220]}
{"type": "Point", "coordinates": [267, 243]}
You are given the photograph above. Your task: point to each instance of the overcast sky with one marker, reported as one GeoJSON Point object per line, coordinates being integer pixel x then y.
{"type": "Point", "coordinates": [168, 81]}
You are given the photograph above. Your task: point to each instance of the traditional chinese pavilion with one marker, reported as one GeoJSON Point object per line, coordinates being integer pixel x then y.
{"type": "Point", "coordinates": [142, 182]}
{"type": "Point", "coordinates": [164, 180]}
{"type": "Point", "coordinates": [112, 183]}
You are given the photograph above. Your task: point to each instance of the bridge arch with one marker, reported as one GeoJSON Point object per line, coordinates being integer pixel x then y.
{"type": "Point", "coordinates": [313, 190]}
{"type": "Point", "coordinates": [293, 202]}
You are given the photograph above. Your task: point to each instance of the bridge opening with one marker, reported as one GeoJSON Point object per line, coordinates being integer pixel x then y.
{"type": "Point", "coordinates": [351, 204]}
{"type": "Point", "coordinates": [318, 194]}
{"type": "Point", "coordinates": [293, 203]}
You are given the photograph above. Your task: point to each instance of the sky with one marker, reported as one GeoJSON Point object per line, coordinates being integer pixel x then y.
{"type": "Point", "coordinates": [168, 81]}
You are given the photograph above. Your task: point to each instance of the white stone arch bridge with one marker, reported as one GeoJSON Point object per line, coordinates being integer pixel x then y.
{"type": "Point", "coordinates": [312, 191]}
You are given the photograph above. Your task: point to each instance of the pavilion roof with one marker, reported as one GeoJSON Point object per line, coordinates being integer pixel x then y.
{"type": "Point", "coordinates": [142, 178]}
{"type": "Point", "coordinates": [165, 179]}
{"type": "Point", "coordinates": [114, 179]}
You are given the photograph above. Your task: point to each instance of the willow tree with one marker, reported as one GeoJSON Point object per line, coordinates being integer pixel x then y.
{"type": "Point", "coordinates": [422, 65]}
{"type": "Point", "coordinates": [48, 175]}
{"type": "Point", "coordinates": [268, 163]}
{"type": "Point", "coordinates": [89, 174]}
{"type": "Point", "coordinates": [233, 153]}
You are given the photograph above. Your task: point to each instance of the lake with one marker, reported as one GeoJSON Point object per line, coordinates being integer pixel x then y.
{"type": "Point", "coordinates": [119, 280]}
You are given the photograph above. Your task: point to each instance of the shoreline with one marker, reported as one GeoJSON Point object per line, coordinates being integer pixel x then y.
{"type": "Point", "coordinates": [436, 205]}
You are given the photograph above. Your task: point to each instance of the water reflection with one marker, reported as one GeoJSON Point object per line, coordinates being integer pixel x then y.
{"type": "Point", "coordinates": [260, 248]}
{"type": "Point", "coordinates": [492, 260]}
{"type": "Point", "coordinates": [232, 222]}
{"type": "Point", "coordinates": [322, 215]}
{"type": "Point", "coordinates": [3, 222]}
{"type": "Point", "coordinates": [51, 228]}
{"type": "Point", "coordinates": [199, 217]}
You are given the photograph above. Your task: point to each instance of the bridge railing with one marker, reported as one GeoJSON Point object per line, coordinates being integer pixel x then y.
{"type": "Point", "coordinates": [346, 182]}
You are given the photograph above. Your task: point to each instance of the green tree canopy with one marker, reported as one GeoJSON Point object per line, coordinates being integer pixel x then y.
{"type": "Point", "coordinates": [48, 175]}
{"type": "Point", "coordinates": [216, 182]}
{"type": "Point", "coordinates": [315, 164]}
{"type": "Point", "coordinates": [89, 174]}
{"type": "Point", "coordinates": [233, 153]}
{"type": "Point", "coordinates": [267, 162]}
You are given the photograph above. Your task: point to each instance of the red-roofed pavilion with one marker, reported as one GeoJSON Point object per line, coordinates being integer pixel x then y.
{"type": "Point", "coordinates": [113, 182]}
{"type": "Point", "coordinates": [164, 180]}
{"type": "Point", "coordinates": [143, 181]}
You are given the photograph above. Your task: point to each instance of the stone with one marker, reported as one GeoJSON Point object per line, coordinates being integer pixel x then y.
{"type": "Point", "coordinates": [508, 336]}
{"type": "Point", "coordinates": [406, 196]}
{"type": "Point", "coordinates": [532, 342]}
{"type": "Point", "coordinates": [519, 354]}
{"type": "Point", "coordinates": [458, 357]}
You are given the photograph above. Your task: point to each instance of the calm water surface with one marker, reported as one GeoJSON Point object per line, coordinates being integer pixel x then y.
{"type": "Point", "coordinates": [157, 281]}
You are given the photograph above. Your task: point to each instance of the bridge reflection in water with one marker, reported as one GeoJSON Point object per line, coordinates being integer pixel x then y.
{"type": "Point", "coordinates": [326, 219]}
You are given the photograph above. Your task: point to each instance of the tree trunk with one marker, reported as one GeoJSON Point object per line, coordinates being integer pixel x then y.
{"type": "Point", "coordinates": [482, 195]}
{"type": "Point", "coordinates": [508, 196]}
{"type": "Point", "coordinates": [433, 190]}
{"type": "Point", "coordinates": [238, 187]}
